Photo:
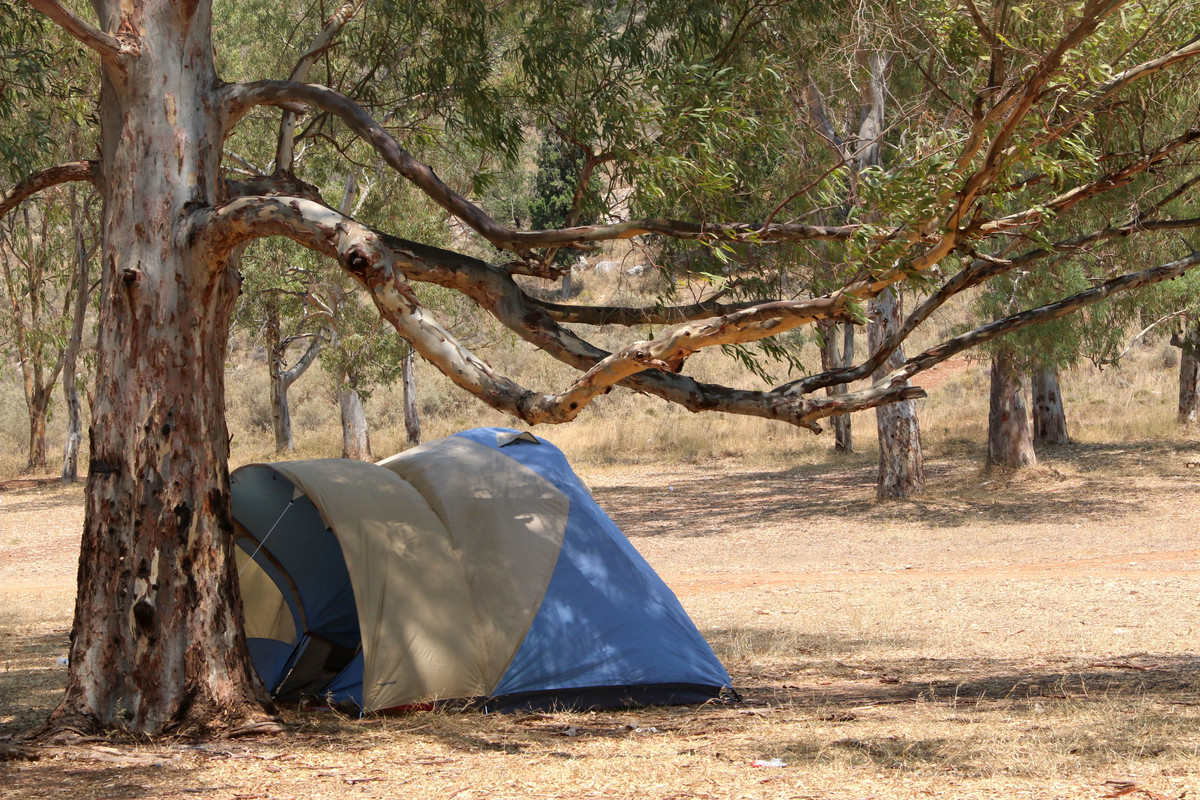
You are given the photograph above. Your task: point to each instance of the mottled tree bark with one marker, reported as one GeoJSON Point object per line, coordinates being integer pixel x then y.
{"type": "Point", "coordinates": [70, 469]}
{"type": "Point", "coordinates": [157, 644]}
{"type": "Point", "coordinates": [412, 422]}
{"type": "Point", "coordinates": [1049, 416]}
{"type": "Point", "coordinates": [356, 440]}
{"type": "Point", "coordinates": [901, 461]}
{"type": "Point", "coordinates": [39, 408]}
{"type": "Point", "coordinates": [834, 357]}
{"type": "Point", "coordinates": [1189, 370]}
{"type": "Point", "coordinates": [282, 377]}
{"type": "Point", "coordinates": [1010, 436]}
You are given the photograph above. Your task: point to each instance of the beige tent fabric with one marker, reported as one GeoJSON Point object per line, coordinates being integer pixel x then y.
{"type": "Point", "coordinates": [449, 550]}
{"type": "Point", "coordinates": [506, 523]}
{"type": "Point", "coordinates": [267, 613]}
{"type": "Point", "coordinates": [408, 587]}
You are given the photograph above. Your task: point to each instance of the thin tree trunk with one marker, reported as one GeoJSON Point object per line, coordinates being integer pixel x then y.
{"type": "Point", "coordinates": [356, 442]}
{"type": "Point", "coordinates": [281, 381]}
{"type": "Point", "coordinates": [157, 645]}
{"type": "Point", "coordinates": [1189, 371]}
{"type": "Point", "coordinates": [1049, 417]}
{"type": "Point", "coordinates": [280, 415]}
{"type": "Point", "coordinates": [39, 407]}
{"type": "Point", "coordinates": [1010, 436]}
{"type": "Point", "coordinates": [833, 357]}
{"type": "Point", "coordinates": [412, 423]}
{"type": "Point", "coordinates": [901, 461]}
{"type": "Point", "coordinates": [843, 436]}
{"type": "Point", "coordinates": [70, 469]}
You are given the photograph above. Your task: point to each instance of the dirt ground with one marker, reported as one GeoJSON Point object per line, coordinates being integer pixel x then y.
{"type": "Point", "coordinates": [1029, 635]}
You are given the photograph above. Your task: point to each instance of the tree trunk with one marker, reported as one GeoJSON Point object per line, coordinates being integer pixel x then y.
{"type": "Point", "coordinates": [157, 643]}
{"type": "Point", "coordinates": [1049, 418]}
{"type": "Point", "coordinates": [833, 357]}
{"type": "Point", "coordinates": [1010, 437]}
{"type": "Point", "coordinates": [901, 462]}
{"type": "Point", "coordinates": [280, 415]}
{"type": "Point", "coordinates": [356, 442]}
{"type": "Point", "coordinates": [412, 423]}
{"type": "Point", "coordinates": [1189, 371]}
{"type": "Point", "coordinates": [70, 469]}
{"type": "Point", "coordinates": [39, 406]}
{"type": "Point", "coordinates": [282, 379]}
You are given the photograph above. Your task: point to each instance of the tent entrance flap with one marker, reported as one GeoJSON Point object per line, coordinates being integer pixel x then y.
{"type": "Point", "coordinates": [315, 663]}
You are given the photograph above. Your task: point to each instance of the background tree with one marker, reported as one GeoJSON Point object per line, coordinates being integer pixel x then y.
{"type": "Point", "coordinates": [156, 644]}
{"type": "Point", "coordinates": [277, 308]}
{"type": "Point", "coordinates": [86, 243]}
{"type": "Point", "coordinates": [40, 284]}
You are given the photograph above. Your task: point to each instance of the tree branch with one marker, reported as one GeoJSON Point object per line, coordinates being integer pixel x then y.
{"type": "Point", "coordinates": [1051, 311]}
{"type": "Point", "coordinates": [242, 97]}
{"type": "Point", "coordinates": [1105, 183]}
{"type": "Point", "coordinates": [380, 262]}
{"type": "Point", "coordinates": [285, 148]}
{"type": "Point", "coordinates": [978, 271]}
{"type": "Point", "coordinates": [290, 376]}
{"type": "Point", "coordinates": [111, 48]}
{"type": "Point", "coordinates": [40, 181]}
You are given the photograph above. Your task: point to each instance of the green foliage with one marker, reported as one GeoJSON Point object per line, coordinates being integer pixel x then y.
{"type": "Point", "coordinates": [559, 172]}
{"type": "Point", "coordinates": [40, 92]}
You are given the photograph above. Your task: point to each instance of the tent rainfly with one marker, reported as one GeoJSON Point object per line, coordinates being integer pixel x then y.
{"type": "Point", "coordinates": [472, 567]}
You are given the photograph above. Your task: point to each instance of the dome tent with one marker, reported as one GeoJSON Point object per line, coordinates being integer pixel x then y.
{"type": "Point", "coordinates": [475, 566]}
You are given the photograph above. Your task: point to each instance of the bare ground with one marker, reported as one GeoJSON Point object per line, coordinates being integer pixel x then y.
{"type": "Point", "coordinates": [1027, 635]}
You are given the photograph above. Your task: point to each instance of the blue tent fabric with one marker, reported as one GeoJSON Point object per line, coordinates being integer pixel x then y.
{"type": "Point", "coordinates": [607, 618]}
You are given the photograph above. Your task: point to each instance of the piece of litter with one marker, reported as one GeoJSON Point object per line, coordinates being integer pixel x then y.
{"type": "Point", "coordinates": [62, 661]}
{"type": "Point", "coordinates": [771, 762]}
{"type": "Point", "coordinates": [571, 731]}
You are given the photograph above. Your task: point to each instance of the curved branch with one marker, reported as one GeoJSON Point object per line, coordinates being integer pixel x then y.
{"type": "Point", "coordinates": [1116, 84]}
{"type": "Point", "coordinates": [380, 262]}
{"type": "Point", "coordinates": [240, 98]}
{"type": "Point", "coordinates": [1104, 183]}
{"type": "Point", "coordinates": [1046, 313]}
{"type": "Point", "coordinates": [978, 271]}
{"type": "Point", "coordinates": [629, 316]}
{"type": "Point", "coordinates": [111, 48]}
{"type": "Point", "coordinates": [40, 181]}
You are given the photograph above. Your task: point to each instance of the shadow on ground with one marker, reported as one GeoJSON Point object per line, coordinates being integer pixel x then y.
{"type": "Point", "coordinates": [959, 493]}
{"type": "Point", "coordinates": [31, 683]}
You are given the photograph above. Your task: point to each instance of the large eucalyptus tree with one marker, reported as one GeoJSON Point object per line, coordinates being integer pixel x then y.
{"type": "Point", "coordinates": [157, 644]}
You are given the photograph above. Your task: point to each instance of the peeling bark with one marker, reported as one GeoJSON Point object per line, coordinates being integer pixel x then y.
{"type": "Point", "coordinates": [901, 460]}
{"type": "Point", "coordinates": [356, 440]}
{"type": "Point", "coordinates": [70, 469]}
{"type": "Point", "coordinates": [157, 644]}
{"type": "Point", "coordinates": [1189, 371]}
{"type": "Point", "coordinates": [1049, 417]}
{"type": "Point", "coordinates": [412, 422]}
{"type": "Point", "coordinates": [1010, 436]}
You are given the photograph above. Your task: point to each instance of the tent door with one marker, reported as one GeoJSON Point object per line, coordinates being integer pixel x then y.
{"type": "Point", "coordinates": [315, 663]}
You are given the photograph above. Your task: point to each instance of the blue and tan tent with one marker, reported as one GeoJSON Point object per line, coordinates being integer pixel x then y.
{"type": "Point", "coordinates": [473, 567]}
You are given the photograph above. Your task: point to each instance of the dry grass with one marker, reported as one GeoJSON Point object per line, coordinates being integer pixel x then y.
{"type": "Point", "coordinates": [1027, 635]}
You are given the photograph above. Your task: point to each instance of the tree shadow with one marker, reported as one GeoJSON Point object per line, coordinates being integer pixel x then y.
{"type": "Point", "coordinates": [712, 505]}
{"type": "Point", "coordinates": [31, 682]}
{"type": "Point", "coordinates": [1037, 701]}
